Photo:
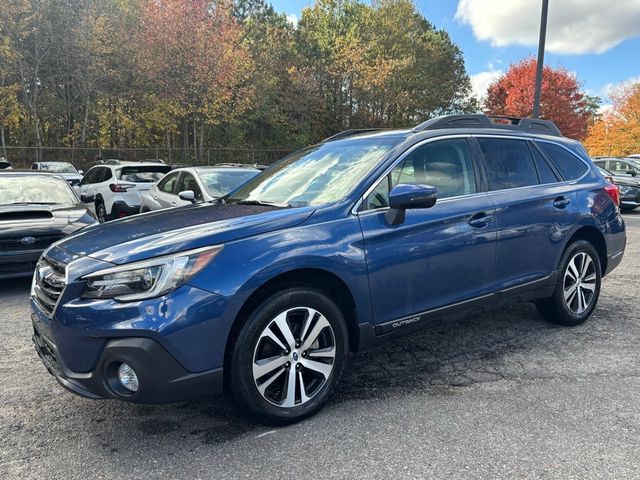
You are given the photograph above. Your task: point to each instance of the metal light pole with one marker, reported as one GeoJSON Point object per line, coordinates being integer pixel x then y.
{"type": "Point", "coordinates": [540, 65]}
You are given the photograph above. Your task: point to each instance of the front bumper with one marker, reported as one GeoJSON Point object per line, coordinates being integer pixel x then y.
{"type": "Point", "coordinates": [176, 344]}
{"type": "Point", "coordinates": [162, 379]}
{"type": "Point", "coordinates": [18, 264]}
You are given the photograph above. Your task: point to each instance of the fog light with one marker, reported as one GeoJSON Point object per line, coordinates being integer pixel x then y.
{"type": "Point", "coordinates": [127, 377]}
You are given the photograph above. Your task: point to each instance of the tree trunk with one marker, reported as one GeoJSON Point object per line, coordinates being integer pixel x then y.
{"type": "Point", "coordinates": [83, 137]}
{"type": "Point", "coordinates": [170, 153]}
{"type": "Point", "coordinates": [4, 146]}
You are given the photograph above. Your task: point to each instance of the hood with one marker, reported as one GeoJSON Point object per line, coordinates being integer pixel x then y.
{"type": "Point", "coordinates": [167, 231]}
{"type": "Point", "coordinates": [627, 181]}
{"type": "Point", "coordinates": [34, 219]}
{"type": "Point", "coordinates": [69, 176]}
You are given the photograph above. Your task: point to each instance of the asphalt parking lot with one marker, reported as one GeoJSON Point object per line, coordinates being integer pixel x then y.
{"type": "Point", "coordinates": [504, 395]}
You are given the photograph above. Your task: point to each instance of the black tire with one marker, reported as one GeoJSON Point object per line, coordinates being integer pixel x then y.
{"type": "Point", "coordinates": [243, 385]}
{"type": "Point", "coordinates": [555, 309]}
{"type": "Point", "coordinates": [101, 211]}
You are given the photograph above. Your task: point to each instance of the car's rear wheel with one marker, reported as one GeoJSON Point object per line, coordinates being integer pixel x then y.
{"type": "Point", "coordinates": [101, 211]}
{"type": "Point", "coordinates": [288, 356]}
{"type": "Point", "coordinates": [578, 286]}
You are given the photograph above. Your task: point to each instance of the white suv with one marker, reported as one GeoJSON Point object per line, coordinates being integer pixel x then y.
{"type": "Point", "coordinates": [115, 187]}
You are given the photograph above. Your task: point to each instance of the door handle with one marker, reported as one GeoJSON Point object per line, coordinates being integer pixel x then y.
{"type": "Point", "coordinates": [173, 204]}
{"type": "Point", "coordinates": [480, 220]}
{"type": "Point", "coordinates": [561, 202]}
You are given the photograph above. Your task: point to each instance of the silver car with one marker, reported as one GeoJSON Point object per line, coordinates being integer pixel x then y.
{"type": "Point", "coordinates": [62, 169]}
{"type": "Point", "coordinates": [184, 186]}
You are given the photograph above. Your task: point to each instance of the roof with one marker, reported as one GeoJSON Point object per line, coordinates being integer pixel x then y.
{"type": "Point", "coordinates": [463, 124]}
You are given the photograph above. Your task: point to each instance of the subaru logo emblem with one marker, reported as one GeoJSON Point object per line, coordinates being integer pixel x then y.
{"type": "Point", "coordinates": [295, 356]}
{"type": "Point", "coordinates": [27, 240]}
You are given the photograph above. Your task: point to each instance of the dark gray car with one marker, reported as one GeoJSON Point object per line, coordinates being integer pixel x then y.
{"type": "Point", "coordinates": [36, 210]}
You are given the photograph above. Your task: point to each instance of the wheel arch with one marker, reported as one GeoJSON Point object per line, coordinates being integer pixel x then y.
{"type": "Point", "coordinates": [595, 237]}
{"type": "Point", "coordinates": [313, 277]}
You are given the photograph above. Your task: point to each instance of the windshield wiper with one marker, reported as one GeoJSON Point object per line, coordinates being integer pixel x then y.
{"type": "Point", "coordinates": [260, 202]}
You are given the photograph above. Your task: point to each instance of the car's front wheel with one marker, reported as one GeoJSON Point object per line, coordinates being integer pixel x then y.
{"type": "Point", "coordinates": [577, 288]}
{"type": "Point", "coordinates": [288, 356]}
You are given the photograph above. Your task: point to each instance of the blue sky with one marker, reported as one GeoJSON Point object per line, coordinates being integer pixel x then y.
{"type": "Point", "coordinates": [599, 40]}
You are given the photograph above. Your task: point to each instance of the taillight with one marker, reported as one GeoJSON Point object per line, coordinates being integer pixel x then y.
{"type": "Point", "coordinates": [614, 193]}
{"type": "Point", "coordinates": [120, 187]}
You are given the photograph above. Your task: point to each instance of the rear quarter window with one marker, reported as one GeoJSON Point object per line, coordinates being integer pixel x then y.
{"type": "Point", "coordinates": [570, 166]}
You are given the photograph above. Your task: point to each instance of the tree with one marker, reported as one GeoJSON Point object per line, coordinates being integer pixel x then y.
{"type": "Point", "coordinates": [562, 99]}
{"type": "Point", "coordinates": [617, 132]}
{"type": "Point", "coordinates": [192, 53]}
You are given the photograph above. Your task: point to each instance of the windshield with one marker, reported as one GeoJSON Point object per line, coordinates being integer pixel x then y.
{"type": "Point", "coordinates": [34, 189]}
{"type": "Point", "coordinates": [320, 174]}
{"type": "Point", "coordinates": [221, 183]}
{"type": "Point", "coordinates": [58, 167]}
{"type": "Point", "coordinates": [143, 173]}
{"type": "Point", "coordinates": [633, 162]}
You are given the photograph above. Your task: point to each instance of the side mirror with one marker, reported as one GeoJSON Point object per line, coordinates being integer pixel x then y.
{"type": "Point", "coordinates": [187, 196]}
{"type": "Point", "coordinates": [633, 173]}
{"type": "Point", "coordinates": [81, 172]}
{"type": "Point", "coordinates": [405, 196]}
{"type": "Point", "coordinates": [87, 198]}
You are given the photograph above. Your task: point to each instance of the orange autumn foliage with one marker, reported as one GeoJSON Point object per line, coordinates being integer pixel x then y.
{"type": "Point", "coordinates": [562, 98]}
{"type": "Point", "coordinates": [617, 132]}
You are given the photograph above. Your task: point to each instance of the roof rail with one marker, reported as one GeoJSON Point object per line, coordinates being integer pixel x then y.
{"type": "Point", "coordinates": [490, 121]}
{"type": "Point", "coordinates": [349, 133]}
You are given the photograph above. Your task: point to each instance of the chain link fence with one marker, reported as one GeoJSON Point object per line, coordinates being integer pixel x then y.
{"type": "Point", "coordinates": [83, 158]}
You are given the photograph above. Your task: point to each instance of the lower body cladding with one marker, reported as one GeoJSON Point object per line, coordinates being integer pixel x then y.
{"type": "Point", "coordinates": [121, 209]}
{"type": "Point", "coordinates": [93, 347]}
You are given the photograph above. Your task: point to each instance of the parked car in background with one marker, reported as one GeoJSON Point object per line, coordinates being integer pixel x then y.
{"type": "Point", "coordinates": [62, 169]}
{"type": "Point", "coordinates": [628, 185]}
{"type": "Point", "coordinates": [36, 209]}
{"type": "Point", "coordinates": [4, 164]}
{"type": "Point", "coordinates": [634, 155]}
{"type": "Point", "coordinates": [185, 186]}
{"type": "Point", "coordinates": [258, 166]}
{"type": "Point", "coordinates": [117, 187]}
{"type": "Point", "coordinates": [336, 248]}
{"type": "Point", "coordinates": [619, 167]}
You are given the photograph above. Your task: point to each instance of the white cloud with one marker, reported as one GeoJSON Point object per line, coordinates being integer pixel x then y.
{"type": "Point", "coordinates": [574, 26]}
{"type": "Point", "coordinates": [292, 18]}
{"type": "Point", "coordinates": [611, 88]}
{"type": "Point", "coordinates": [481, 81]}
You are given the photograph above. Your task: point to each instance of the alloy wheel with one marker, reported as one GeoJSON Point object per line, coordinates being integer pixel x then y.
{"type": "Point", "coordinates": [294, 357]}
{"type": "Point", "coordinates": [580, 281]}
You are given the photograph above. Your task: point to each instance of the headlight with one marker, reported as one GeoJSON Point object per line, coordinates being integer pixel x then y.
{"type": "Point", "coordinates": [149, 278]}
{"type": "Point", "coordinates": [625, 189]}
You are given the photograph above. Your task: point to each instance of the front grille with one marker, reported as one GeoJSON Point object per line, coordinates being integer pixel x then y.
{"type": "Point", "coordinates": [49, 284]}
{"type": "Point", "coordinates": [16, 243]}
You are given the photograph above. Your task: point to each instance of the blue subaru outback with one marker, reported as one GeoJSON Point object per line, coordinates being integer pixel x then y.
{"type": "Point", "coordinates": [336, 248]}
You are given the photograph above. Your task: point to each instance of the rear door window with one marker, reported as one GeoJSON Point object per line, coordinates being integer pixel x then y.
{"type": "Point", "coordinates": [509, 163]}
{"type": "Point", "coordinates": [570, 166]}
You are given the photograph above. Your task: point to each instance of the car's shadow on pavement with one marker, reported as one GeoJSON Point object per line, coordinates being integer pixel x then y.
{"type": "Point", "coordinates": [437, 361]}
